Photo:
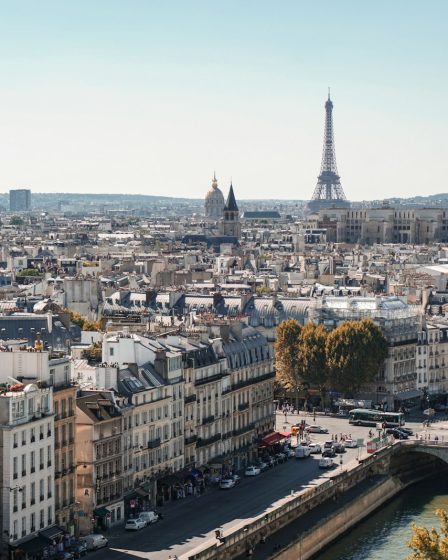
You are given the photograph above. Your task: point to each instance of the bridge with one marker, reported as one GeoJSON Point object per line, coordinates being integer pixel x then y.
{"type": "Point", "coordinates": [378, 476]}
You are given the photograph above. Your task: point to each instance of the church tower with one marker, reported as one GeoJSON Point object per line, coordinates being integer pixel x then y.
{"type": "Point", "coordinates": [230, 224]}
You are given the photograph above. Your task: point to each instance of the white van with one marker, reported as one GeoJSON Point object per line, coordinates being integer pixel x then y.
{"type": "Point", "coordinates": [149, 517]}
{"type": "Point", "coordinates": [302, 452]}
{"type": "Point", "coordinates": [95, 541]}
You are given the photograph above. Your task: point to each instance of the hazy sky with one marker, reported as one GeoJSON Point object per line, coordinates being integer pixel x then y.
{"type": "Point", "coordinates": [146, 96]}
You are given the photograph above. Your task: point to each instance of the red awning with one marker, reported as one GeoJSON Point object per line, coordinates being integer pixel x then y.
{"type": "Point", "coordinates": [285, 434]}
{"type": "Point", "coordinates": [272, 438]}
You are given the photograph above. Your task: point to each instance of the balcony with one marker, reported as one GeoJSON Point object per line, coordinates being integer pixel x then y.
{"type": "Point", "coordinates": [208, 420]}
{"type": "Point", "coordinates": [190, 440]}
{"type": "Point", "coordinates": [33, 469]}
{"type": "Point", "coordinates": [41, 467]}
{"type": "Point", "coordinates": [15, 475]}
{"type": "Point", "coordinates": [64, 443]}
{"type": "Point", "coordinates": [49, 433]}
{"type": "Point", "coordinates": [41, 436]}
{"type": "Point", "coordinates": [209, 379]}
{"type": "Point", "coordinates": [253, 380]}
{"type": "Point", "coordinates": [154, 443]}
{"type": "Point", "coordinates": [14, 509]}
{"type": "Point", "coordinates": [33, 439]}
{"type": "Point", "coordinates": [33, 501]}
{"type": "Point", "coordinates": [190, 399]}
{"type": "Point", "coordinates": [243, 406]}
{"type": "Point", "coordinates": [244, 430]}
{"type": "Point", "coordinates": [23, 473]}
{"type": "Point", "coordinates": [41, 498]}
{"type": "Point", "coordinates": [48, 463]}
{"type": "Point", "coordinates": [202, 442]}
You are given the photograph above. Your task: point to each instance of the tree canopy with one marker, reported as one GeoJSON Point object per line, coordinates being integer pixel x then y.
{"type": "Point", "coordinates": [355, 352]}
{"type": "Point", "coordinates": [313, 355]}
{"type": "Point", "coordinates": [344, 359]}
{"type": "Point", "coordinates": [288, 363]}
{"type": "Point", "coordinates": [430, 544]}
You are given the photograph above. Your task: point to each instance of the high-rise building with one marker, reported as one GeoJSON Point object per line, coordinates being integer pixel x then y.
{"type": "Point", "coordinates": [19, 200]}
{"type": "Point", "coordinates": [328, 192]}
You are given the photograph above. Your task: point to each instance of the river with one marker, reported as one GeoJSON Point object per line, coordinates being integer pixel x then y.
{"type": "Point", "coordinates": [385, 534]}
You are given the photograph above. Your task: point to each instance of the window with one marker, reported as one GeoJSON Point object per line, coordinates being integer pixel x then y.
{"type": "Point", "coordinates": [23, 465]}
{"type": "Point", "coordinates": [14, 467]}
{"type": "Point", "coordinates": [24, 437]}
{"type": "Point", "coordinates": [33, 461]}
{"type": "Point", "coordinates": [41, 490]}
{"type": "Point", "coordinates": [49, 515]}
{"type": "Point", "coordinates": [41, 519]}
{"type": "Point", "coordinates": [23, 526]}
{"type": "Point", "coordinates": [15, 440]}
{"type": "Point", "coordinates": [33, 493]}
{"type": "Point", "coordinates": [49, 487]}
{"type": "Point", "coordinates": [18, 409]}
{"type": "Point", "coordinates": [33, 522]}
{"type": "Point", "coordinates": [111, 351]}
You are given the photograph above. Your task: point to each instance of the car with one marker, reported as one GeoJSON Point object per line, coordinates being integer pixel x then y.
{"type": "Point", "coordinates": [252, 471]}
{"type": "Point", "coordinates": [95, 540]}
{"type": "Point", "coordinates": [290, 452]}
{"type": "Point", "coordinates": [315, 429]}
{"type": "Point", "coordinates": [262, 466]}
{"type": "Point", "coordinates": [236, 478]}
{"type": "Point", "coordinates": [339, 447]}
{"type": "Point", "coordinates": [407, 431]}
{"type": "Point", "coordinates": [397, 434]}
{"type": "Point", "coordinates": [149, 517]}
{"type": "Point", "coordinates": [64, 555]}
{"type": "Point", "coordinates": [328, 444]}
{"type": "Point", "coordinates": [281, 457]}
{"type": "Point", "coordinates": [227, 483]}
{"type": "Point", "coordinates": [78, 549]}
{"type": "Point", "coordinates": [329, 452]}
{"type": "Point", "coordinates": [135, 524]}
{"type": "Point", "coordinates": [315, 448]}
{"type": "Point", "coordinates": [326, 463]}
{"type": "Point", "coordinates": [302, 452]}
{"type": "Point", "coordinates": [351, 443]}
{"type": "Point", "coordinates": [270, 461]}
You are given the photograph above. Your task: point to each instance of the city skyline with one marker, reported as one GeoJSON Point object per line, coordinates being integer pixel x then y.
{"type": "Point", "coordinates": [150, 98]}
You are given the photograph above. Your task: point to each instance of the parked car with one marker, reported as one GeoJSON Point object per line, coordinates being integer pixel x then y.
{"type": "Point", "coordinates": [407, 431]}
{"type": "Point", "coordinates": [149, 517]}
{"type": "Point", "coordinates": [252, 471]}
{"type": "Point", "coordinates": [64, 555]}
{"type": "Point", "coordinates": [95, 540]}
{"type": "Point", "coordinates": [262, 466]}
{"type": "Point", "coordinates": [351, 443]}
{"type": "Point", "coordinates": [227, 483]}
{"type": "Point", "coordinates": [315, 448]}
{"type": "Point", "coordinates": [236, 478]}
{"type": "Point", "coordinates": [270, 461]}
{"type": "Point", "coordinates": [78, 549]}
{"type": "Point", "coordinates": [281, 457]}
{"type": "Point", "coordinates": [135, 524]}
{"type": "Point", "coordinates": [326, 463]}
{"type": "Point", "coordinates": [329, 452]}
{"type": "Point", "coordinates": [302, 452]}
{"type": "Point", "coordinates": [339, 447]}
{"type": "Point", "coordinates": [328, 444]}
{"type": "Point", "coordinates": [315, 429]}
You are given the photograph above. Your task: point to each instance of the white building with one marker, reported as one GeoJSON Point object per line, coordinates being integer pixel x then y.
{"type": "Point", "coordinates": [27, 464]}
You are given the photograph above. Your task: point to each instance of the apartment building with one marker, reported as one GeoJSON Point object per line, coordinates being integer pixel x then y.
{"type": "Point", "coordinates": [99, 458]}
{"type": "Point", "coordinates": [26, 462]}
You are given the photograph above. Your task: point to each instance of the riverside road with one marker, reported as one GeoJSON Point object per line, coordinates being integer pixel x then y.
{"type": "Point", "coordinates": [191, 522]}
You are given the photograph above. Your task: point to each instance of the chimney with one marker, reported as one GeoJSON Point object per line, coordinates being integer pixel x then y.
{"type": "Point", "coordinates": [160, 363]}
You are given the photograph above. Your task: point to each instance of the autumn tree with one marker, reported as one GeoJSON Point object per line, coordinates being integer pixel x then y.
{"type": "Point", "coordinates": [288, 364]}
{"type": "Point", "coordinates": [313, 357]}
{"type": "Point", "coordinates": [355, 351]}
{"type": "Point", "coordinates": [430, 544]}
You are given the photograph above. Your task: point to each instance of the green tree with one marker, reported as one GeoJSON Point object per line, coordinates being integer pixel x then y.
{"type": "Point", "coordinates": [355, 352]}
{"type": "Point", "coordinates": [288, 363]}
{"type": "Point", "coordinates": [16, 221]}
{"type": "Point", "coordinates": [313, 356]}
{"type": "Point", "coordinates": [430, 544]}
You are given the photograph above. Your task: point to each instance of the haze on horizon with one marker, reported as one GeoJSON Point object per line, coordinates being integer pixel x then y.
{"type": "Point", "coordinates": [151, 97]}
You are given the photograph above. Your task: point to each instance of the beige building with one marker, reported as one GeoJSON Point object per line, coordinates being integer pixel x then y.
{"type": "Point", "coordinates": [100, 459]}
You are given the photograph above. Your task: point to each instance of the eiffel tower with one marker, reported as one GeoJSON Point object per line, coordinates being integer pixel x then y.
{"type": "Point", "coordinates": [328, 192]}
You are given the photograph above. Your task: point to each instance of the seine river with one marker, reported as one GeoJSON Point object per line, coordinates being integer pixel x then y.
{"type": "Point", "coordinates": [385, 534]}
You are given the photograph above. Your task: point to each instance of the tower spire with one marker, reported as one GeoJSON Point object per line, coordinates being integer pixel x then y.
{"type": "Point", "coordinates": [328, 191]}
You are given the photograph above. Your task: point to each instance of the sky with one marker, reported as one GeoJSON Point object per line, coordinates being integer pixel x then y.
{"type": "Point", "coordinates": [153, 96]}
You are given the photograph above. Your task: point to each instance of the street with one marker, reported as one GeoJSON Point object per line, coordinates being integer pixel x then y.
{"type": "Point", "coordinates": [190, 522]}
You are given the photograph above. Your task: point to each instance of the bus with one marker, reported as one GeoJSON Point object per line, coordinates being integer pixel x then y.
{"type": "Point", "coordinates": [364, 417]}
